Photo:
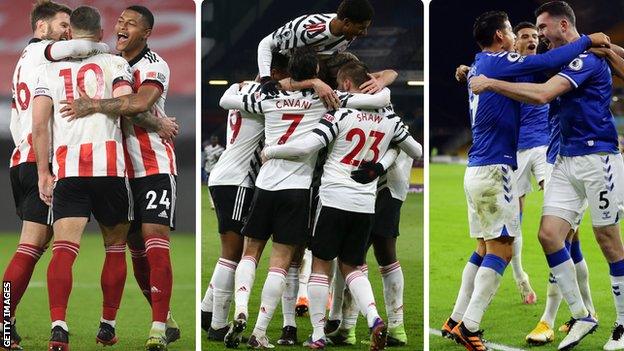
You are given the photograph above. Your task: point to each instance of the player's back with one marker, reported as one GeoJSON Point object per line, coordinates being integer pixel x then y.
{"type": "Point", "coordinates": [288, 116]}
{"type": "Point", "coordinates": [361, 135]}
{"type": "Point", "coordinates": [92, 143]}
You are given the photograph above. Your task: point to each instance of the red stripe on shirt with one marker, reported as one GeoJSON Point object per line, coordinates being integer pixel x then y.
{"type": "Point", "coordinates": [61, 156]}
{"type": "Point", "coordinates": [169, 148]}
{"type": "Point", "coordinates": [16, 157]}
{"type": "Point", "coordinates": [147, 153]}
{"type": "Point", "coordinates": [31, 150]}
{"type": "Point", "coordinates": [127, 159]}
{"type": "Point", "coordinates": [111, 158]}
{"type": "Point", "coordinates": [85, 162]}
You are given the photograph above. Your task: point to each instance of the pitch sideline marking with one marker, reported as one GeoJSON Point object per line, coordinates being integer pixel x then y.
{"type": "Point", "coordinates": [491, 345]}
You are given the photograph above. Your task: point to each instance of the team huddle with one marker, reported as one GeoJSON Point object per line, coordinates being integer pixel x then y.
{"type": "Point", "coordinates": [92, 138]}
{"type": "Point", "coordinates": [544, 114]}
{"type": "Point", "coordinates": [316, 158]}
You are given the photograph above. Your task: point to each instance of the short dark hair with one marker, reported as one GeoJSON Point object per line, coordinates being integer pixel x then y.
{"type": "Point", "coordinates": [85, 18]}
{"type": "Point", "coordinates": [303, 64]}
{"type": "Point", "coordinates": [145, 13]}
{"type": "Point", "coordinates": [279, 61]}
{"type": "Point", "coordinates": [328, 68]}
{"type": "Point", "coordinates": [486, 25]}
{"type": "Point", "coordinates": [355, 71]}
{"type": "Point", "coordinates": [523, 25]}
{"type": "Point", "coordinates": [46, 10]}
{"type": "Point", "coordinates": [355, 10]}
{"type": "Point", "coordinates": [557, 9]}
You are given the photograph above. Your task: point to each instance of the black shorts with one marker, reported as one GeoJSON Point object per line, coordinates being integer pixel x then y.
{"type": "Point", "coordinates": [107, 198]}
{"type": "Point", "coordinates": [283, 213]}
{"type": "Point", "coordinates": [342, 234]}
{"type": "Point", "coordinates": [387, 215]}
{"type": "Point", "coordinates": [154, 199]}
{"type": "Point", "coordinates": [25, 186]}
{"type": "Point", "coordinates": [232, 205]}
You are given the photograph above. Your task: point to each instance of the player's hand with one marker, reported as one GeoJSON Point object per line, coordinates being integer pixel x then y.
{"type": "Point", "coordinates": [479, 84]}
{"type": "Point", "coordinates": [269, 88]}
{"type": "Point", "coordinates": [326, 94]}
{"type": "Point", "coordinates": [367, 172]}
{"type": "Point", "coordinates": [168, 128]}
{"type": "Point", "coordinates": [263, 156]}
{"type": "Point", "coordinates": [46, 185]}
{"type": "Point", "coordinates": [461, 73]}
{"type": "Point", "coordinates": [77, 108]}
{"type": "Point", "coordinates": [600, 40]}
{"type": "Point", "coordinates": [372, 85]}
{"type": "Point", "coordinates": [601, 52]}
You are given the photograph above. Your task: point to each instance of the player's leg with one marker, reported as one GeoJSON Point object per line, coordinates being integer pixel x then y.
{"type": "Point", "coordinates": [304, 274]}
{"type": "Point", "coordinates": [140, 265]}
{"type": "Point", "coordinates": [582, 272]}
{"type": "Point", "coordinates": [318, 292]}
{"type": "Point", "coordinates": [335, 309]}
{"type": "Point", "coordinates": [289, 300]}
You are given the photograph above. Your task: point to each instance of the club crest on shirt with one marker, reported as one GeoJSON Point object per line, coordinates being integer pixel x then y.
{"type": "Point", "coordinates": [513, 56]}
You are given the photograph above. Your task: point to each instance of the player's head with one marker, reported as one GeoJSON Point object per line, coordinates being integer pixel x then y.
{"type": "Point", "coordinates": [303, 64]}
{"type": "Point", "coordinates": [133, 27]}
{"type": "Point", "coordinates": [214, 140]}
{"type": "Point", "coordinates": [50, 20]}
{"type": "Point", "coordinates": [85, 23]}
{"type": "Point", "coordinates": [555, 20]}
{"type": "Point", "coordinates": [279, 66]}
{"type": "Point", "coordinates": [329, 67]}
{"type": "Point", "coordinates": [492, 29]}
{"type": "Point", "coordinates": [526, 38]}
{"type": "Point", "coordinates": [352, 75]}
{"type": "Point", "coordinates": [356, 16]}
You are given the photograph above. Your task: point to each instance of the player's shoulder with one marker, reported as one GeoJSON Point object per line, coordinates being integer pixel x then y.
{"type": "Point", "coordinates": [586, 60]}
{"type": "Point", "coordinates": [249, 87]}
{"type": "Point", "coordinates": [151, 60]}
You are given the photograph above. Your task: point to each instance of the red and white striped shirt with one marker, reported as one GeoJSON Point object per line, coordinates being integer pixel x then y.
{"type": "Point", "coordinates": [146, 152]}
{"type": "Point", "coordinates": [90, 146]}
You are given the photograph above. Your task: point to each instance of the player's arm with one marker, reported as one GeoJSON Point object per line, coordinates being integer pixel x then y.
{"type": "Point", "coordinates": [14, 125]}
{"type": "Point", "coordinates": [265, 55]}
{"type": "Point", "coordinates": [325, 92]}
{"type": "Point", "coordinates": [531, 93]}
{"type": "Point", "coordinates": [405, 141]}
{"type": "Point", "coordinates": [42, 111]}
{"type": "Point", "coordinates": [378, 81]}
{"type": "Point", "coordinates": [616, 62]}
{"type": "Point", "coordinates": [248, 102]}
{"type": "Point", "coordinates": [461, 73]}
{"type": "Point", "coordinates": [365, 101]}
{"type": "Point", "coordinates": [130, 104]}
{"type": "Point", "coordinates": [75, 48]}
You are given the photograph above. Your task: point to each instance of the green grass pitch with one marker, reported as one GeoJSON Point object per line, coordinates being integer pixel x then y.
{"type": "Point", "coordinates": [410, 254]}
{"type": "Point", "coordinates": [507, 321]}
{"type": "Point", "coordinates": [84, 312]}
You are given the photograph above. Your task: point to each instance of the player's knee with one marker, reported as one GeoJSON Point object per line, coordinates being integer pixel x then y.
{"type": "Point", "coordinates": [610, 243]}
{"type": "Point", "coordinates": [548, 239]}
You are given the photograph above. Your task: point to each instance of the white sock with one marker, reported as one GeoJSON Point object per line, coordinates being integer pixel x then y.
{"type": "Point", "coordinates": [159, 327]}
{"type": "Point", "coordinates": [486, 283]}
{"type": "Point", "coordinates": [392, 279]}
{"type": "Point", "coordinates": [582, 276]}
{"type": "Point", "coordinates": [318, 291]}
{"type": "Point", "coordinates": [289, 298]}
{"type": "Point", "coordinates": [466, 287]}
{"type": "Point", "coordinates": [338, 289]}
{"type": "Point", "coordinates": [516, 259]}
{"type": "Point", "coordinates": [207, 302]}
{"type": "Point", "coordinates": [350, 310]}
{"type": "Point", "coordinates": [617, 286]}
{"type": "Point", "coordinates": [243, 281]}
{"type": "Point", "coordinates": [553, 300]}
{"type": "Point", "coordinates": [111, 323]}
{"type": "Point", "coordinates": [363, 293]}
{"type": "Point", "coordinates": [565, 275]}
{"type": "Point", "coordinates": [223, 287]}
{"type": "Point", "coordinates": [271, 294]}
{"type": "Point", "coordinates": [304, 274]}
{"type": "Point", "coordinates": [61, 324]}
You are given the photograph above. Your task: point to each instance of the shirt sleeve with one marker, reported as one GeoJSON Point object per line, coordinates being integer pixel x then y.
{"type": "Point", "coordinates": [327, 128]}
{"type": "Point", "coordinates": [75, 48]}
{"type": "Point", "coordinates": [42, 87]}
{"type": "Point", "coordinates": [295, 149]}
{"type": "Point", "coordinates": [156, 74]}
{"type": "Point", "coordinates": [365, 101]}
{"type": "Point", "coordinates": [580, 69]}
{"type": "Point", "coordinates": [251, 102]}
{"type": "Point", "coordinates": [122, 72]}
{"type": "Point", "coordinates": [511, 64]}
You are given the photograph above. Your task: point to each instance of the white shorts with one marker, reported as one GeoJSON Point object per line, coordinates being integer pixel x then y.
{"type": "Point", "coordinates": [530, 161]}
{"type": "Point", "coordinates": [595, 181]}
{"type": "Point", "coordinates": [579, 217]}
{"type": "Point", "coordinates": [493, 207]}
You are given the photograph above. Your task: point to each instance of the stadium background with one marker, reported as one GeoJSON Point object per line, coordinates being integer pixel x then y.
{"type": "Point", "coordinates": [231, 32]}
{"type": "Point", "coordinates": [174, 39]}
{"type": "Point", "coordinates": [507, 321]}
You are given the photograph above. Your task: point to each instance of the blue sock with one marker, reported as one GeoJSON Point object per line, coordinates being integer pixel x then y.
{"type": "Point", "coordinates": [568, 245]}
{"type": "Point", "coordinates": [616, 269]}
{"type": "Point", "coordinates": [476, 259]}
{"type": "Point", "coordinates": [556, 258]}
{"type": "Point", "coordinates": [575, 252]}
{"type": "Point", "coordinates": [495, 263]}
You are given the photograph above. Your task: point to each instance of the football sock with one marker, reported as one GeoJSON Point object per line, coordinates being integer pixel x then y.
{"type": "Point", "coordinates": [562, 268]}
{"type": "Point", "coordinates": [486, 283]}
{"type": "Point", "coordinates": [582, 275]}
{"type": "Point", "coordinates": [304, 274]}
{"type": "Point", "coordinates": [113, 280]}
{"type": "Point", "coordinates": [289, 298]}
{"type": "Point", "coordinates": [318, 292]}
{"type": "Point", "coordinates": [350, 310]}
{"type": "Point", "coordinates": [60, 277]}
{"type": "Point", "coordinates": [363, 293]}
{"type": "Point", "coordinates": [19, 271]}
{"type": "Point", "coordinates": [392, 280]}
{"type": "Point", "coordinates": [207, 301]}
{"type": "Point", "coordinates": [338, 288]}
{"type": "Point", "coordinates": [161, 280]}
{"type": "Point", "coordinates": [243, 281]}
{"type": "Point", "coordinates": [616, 270]}
{"type": "Point", "coordinates": [466, 287]}
{"type": "Point", "coordinates": [141, 269]}
{"type": "Point", "coordinates": [271, 294]}
{"type": "Point", "coordinates": [516, 259]}
{"type": "Point", "coordinates": [223, 287]}
{"type": "Point", "coordinates": [553, 300]}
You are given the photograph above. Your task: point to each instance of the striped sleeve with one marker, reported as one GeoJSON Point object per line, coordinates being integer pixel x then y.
{"type": "Point", "coordinates": [252, 102]}
{"type": "Point", "coordinates": [327, 127]}
{"type": "Point", "coordinates": [400, 131]}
